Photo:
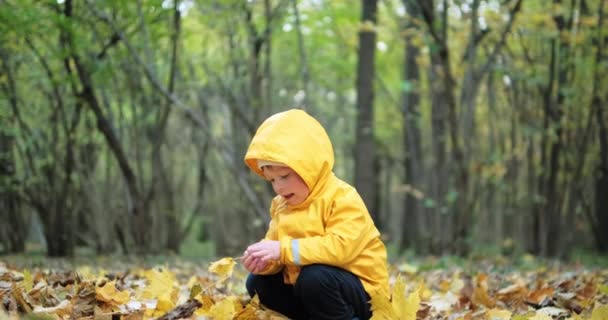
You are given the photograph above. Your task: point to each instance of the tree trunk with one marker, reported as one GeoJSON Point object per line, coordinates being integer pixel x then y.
{"type": "Point", "coordinates": [13, 229]}
{"type": "Point", "coordinates": [601, 180]}
{"type": "Point", "coordinates": [551, 209]}
{"type": "Point", "coordinates": [365, 149]}
{"type": "Point", "coordinates": [413, 216]}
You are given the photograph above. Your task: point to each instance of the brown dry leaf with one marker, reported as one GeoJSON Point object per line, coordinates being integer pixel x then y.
{"type": "Point", "coordinates": [538, 297]}
{"type": "Point", "coordinates": [63, 309]}
{"type": "Point", "coordinates": [83, 304]}
{"type": "Point", "coordinates": [21, 298]}
{"type": "Point", "coordinates": [514, 295]}
{"type": "Point", "coordinates": [223, 267]}
{"type": "Point", "coordinates": [480, 293]}
{"type": "Point", "coordinates": [185, 310]}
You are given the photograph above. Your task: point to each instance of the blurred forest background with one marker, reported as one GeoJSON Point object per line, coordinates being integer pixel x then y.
{"type": "Point", "coordinates": [467, 125]}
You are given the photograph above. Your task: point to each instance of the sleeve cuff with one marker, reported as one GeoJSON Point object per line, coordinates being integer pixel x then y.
{"type": "Point", "coordinates": [290, 251]}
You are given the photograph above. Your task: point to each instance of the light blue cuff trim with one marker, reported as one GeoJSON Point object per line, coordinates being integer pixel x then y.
{"type": "Point", "coordinates": [295, 251]}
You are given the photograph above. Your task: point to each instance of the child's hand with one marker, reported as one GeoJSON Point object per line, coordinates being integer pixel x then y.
{"type": "Point", "coordinates": [254, 265]}
{"type": "Point", "coordinates": [265, 250]}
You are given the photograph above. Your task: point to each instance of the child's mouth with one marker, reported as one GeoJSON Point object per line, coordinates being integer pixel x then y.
{"type": "Point", "coordinates": [288, 196]}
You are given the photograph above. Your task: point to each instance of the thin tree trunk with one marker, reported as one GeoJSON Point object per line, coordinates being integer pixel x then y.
{"type": "Point", "coordinates": [142, 219]}
{"type": "Point", "coordinates": [365, 149]}
{"type": "Point", "coordinates": [13, 230]}
{"type": "Point", "coordinates": [413, 216]}
{"type": "Point", "coordinates": [601, 180]}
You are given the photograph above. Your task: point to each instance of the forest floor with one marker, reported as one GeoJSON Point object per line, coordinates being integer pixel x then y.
{"type": "Point", "coordinates": [482, 287]}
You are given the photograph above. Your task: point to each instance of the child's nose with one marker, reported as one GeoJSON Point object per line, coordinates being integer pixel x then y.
{"type": "Point", "coordinates": [278, 187]}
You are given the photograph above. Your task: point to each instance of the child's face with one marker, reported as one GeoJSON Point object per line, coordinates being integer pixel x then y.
{"type": "Point", "coordinates": [287, 183]}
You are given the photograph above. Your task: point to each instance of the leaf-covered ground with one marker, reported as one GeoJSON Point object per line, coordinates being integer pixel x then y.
{"type": "Point", "coordinates": [484, 289]}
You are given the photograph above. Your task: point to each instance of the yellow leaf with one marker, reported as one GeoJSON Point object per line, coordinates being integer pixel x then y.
{"type": "Point", "coordinates": [498, 314]}
{"type": "Point", "coordinates": [600, 312]}
{"type": "Point", "coordinates": [225, 309]}
{"type": "Point", "coordinates": [109, 294]}
{"type": "Point", "coordinates": [409, 309]}
{"type": "Point", "coordinates": [207, 302]}
{"type": "Point", "coordinates": [603, 288]}
{"type": "Point", "coordinates": [85, 273]}
{"type": "Point", "coordinates": [250, 310]}
{"type": "Point", "coordinates": [160, 287]}
{"type": "Point", "coordinates": [408, 268]}
{"type": "Point", "coordinates": [398, 298]}
{"type": "Point", "coordinates": [28, 281]}
{"type": "Point", "coordinates": [381, 307]}
{"type": "Point", "coordinates": [223, 267]}
{"type": "Point", "coordinates": [195, 290]}
{"type": "Point", "coordinates": [425, 292]}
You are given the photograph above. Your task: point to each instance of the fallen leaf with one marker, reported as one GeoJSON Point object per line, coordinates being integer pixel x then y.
{"type": "Point", "coordinates": [109, 294]}
{"type": "Point", "coordinates": [498, 314]}
{"type": "Point", "coordinates": [600, 312]}
{"type": "Point", "coordinates": [225, 309]}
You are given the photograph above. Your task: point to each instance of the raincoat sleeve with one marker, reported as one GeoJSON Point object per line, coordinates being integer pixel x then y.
{"type": "Point", "coordinates": [348, 226]}
{"type": "Point", "coordinates": [273, 266]}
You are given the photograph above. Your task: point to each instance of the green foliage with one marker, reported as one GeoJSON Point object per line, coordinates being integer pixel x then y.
{"type": "Point", "coordinates": [589, 258]}
{"type": "Point", "coordinates": [217, 68]}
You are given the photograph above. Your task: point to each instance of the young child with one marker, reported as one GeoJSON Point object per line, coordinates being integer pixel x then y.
{"type": "Point", "coordinates": [322, 256]}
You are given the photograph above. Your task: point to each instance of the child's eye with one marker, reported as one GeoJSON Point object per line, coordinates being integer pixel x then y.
{"type": "Point", "coordinates": [285, 176]}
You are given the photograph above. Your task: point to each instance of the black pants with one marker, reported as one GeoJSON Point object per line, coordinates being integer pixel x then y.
{"type": "Point", "coordinates": [321, 292]}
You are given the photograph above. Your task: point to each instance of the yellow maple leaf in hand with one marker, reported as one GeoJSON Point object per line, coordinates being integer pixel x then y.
{"type": "Point", "coordinates": [223, 267]}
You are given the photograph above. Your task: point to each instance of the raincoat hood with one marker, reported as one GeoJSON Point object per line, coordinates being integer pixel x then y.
{"type": "Point", "coordinates": [299, 141]}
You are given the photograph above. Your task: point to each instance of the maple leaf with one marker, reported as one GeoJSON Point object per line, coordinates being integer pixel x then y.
{"type": "Point", "coordinates": [109, 294]}
{"type": "Point", "coordinates": [223, 267]}
{"type": "Point", "coordinates": [225, 309]}
{"type": "Point", "coordinates": [405, 309]}
{"type": "Point", "coordinates": [381, 307]}
{"type": "Point", "coordinates": [160, 287]}
{"type": "Point", "coordinates": [249, 311]}
{"type": "Point", "coordinates": [408, 310]}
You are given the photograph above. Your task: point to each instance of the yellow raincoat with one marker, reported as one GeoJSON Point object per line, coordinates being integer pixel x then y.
{"type": "Point", "coordinates": [332, 226]}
